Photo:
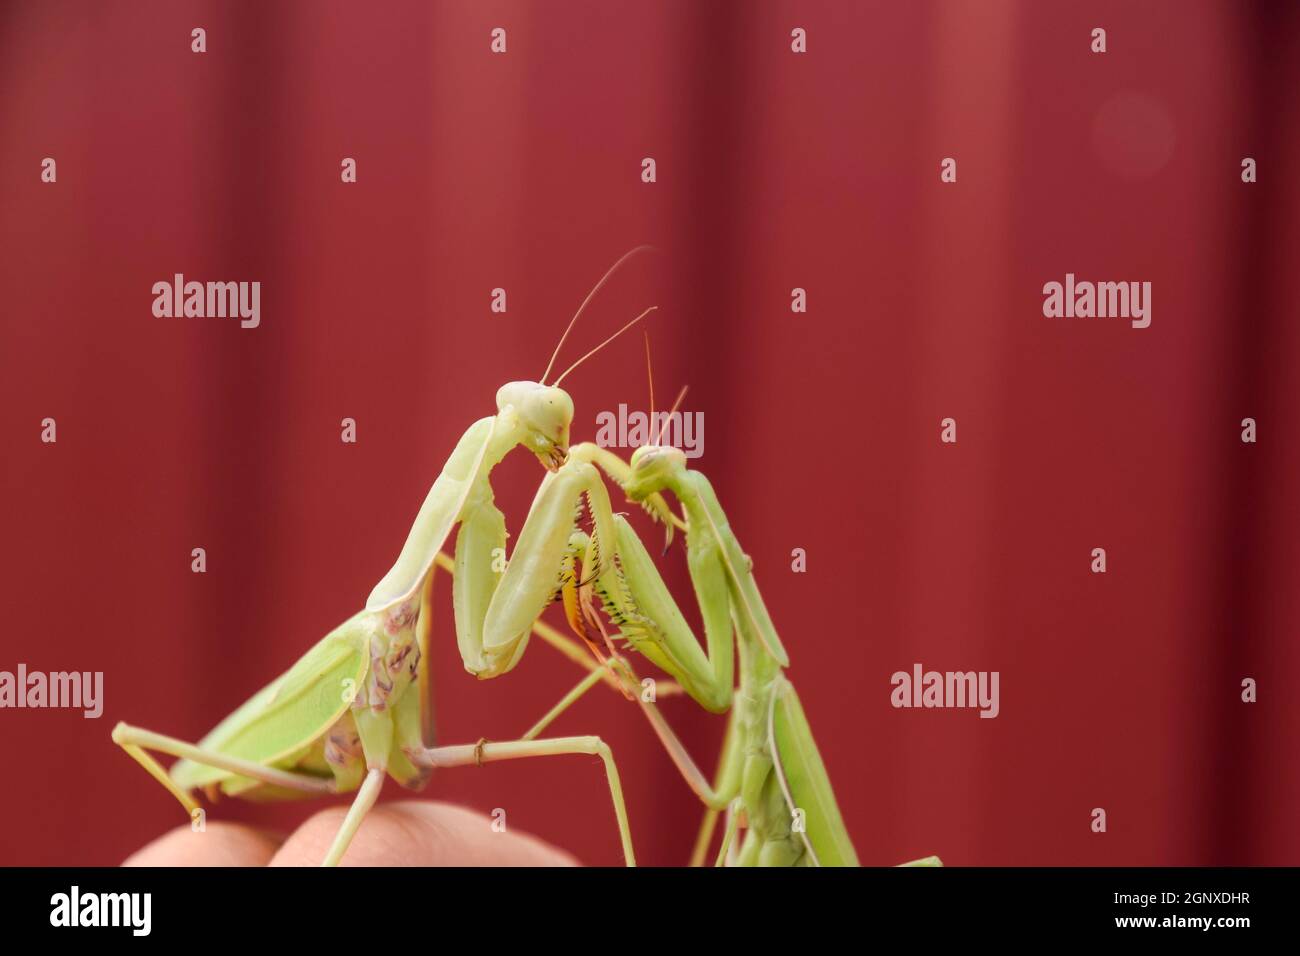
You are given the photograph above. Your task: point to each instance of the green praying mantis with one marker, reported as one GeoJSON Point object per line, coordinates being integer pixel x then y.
{"type": "Point", "coordinates": [357, 706]}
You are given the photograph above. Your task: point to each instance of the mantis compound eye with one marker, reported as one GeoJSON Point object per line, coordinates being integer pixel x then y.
{"type": "Point", "coordinates": [550, 411]}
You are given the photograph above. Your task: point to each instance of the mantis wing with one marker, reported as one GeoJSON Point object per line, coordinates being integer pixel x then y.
{"type": "Point", "coordinates": [441, 508]}
{"type": "Point", "coordinates": [809, 786]}
{"type": "Point", "coordinates": [292, 711]}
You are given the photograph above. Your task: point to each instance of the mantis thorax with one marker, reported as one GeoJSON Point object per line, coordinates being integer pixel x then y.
{"type": "Point", "coordinates": [394, 656]}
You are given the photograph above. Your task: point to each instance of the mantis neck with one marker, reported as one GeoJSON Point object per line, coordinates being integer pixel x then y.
{"type": "Point", "coordinates": [507, 432]}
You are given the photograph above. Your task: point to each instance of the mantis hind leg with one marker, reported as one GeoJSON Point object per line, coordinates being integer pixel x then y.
{"type": "Point", "coordinates": [728, 835]}
{"type": "Point", "coordinates": [137, 742]}
{"type": "Point", "coordinates": [155, 770]}
{"type": "Point", "coordinates": [724, 783]}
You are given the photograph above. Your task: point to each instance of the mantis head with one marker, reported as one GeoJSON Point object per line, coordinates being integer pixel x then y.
{"type": "Point", "coordinates": [544, 414]}
{"type": "Point", "coordinates": [654, 467]}
{"type": "Point", "coordinates": [546, 411]}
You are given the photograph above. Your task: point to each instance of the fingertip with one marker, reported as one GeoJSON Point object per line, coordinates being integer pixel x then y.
{"type": "Point", "coordinates": [217, 844]}
{"type": "Point", "coordinates": [419, 833]}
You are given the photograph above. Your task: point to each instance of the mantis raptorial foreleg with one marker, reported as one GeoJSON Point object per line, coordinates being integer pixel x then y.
{"type": "Point", "coordinates": [637, 600]}
{"type": "Point", "coordinates": [532, 575]}
{"type": "Point", "coordinates": [620, 471]}
{"type": "Point", "coordinates": [534, 415]}
{"type": "Point", "coordinates": [771, 771]}
{"type": "Point", "coordinates": [631, 591]}
{"type": "Point", "coordinates": [567, 647]}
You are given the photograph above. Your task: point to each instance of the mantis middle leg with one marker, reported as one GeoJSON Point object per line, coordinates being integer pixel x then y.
{"type": "Point", "coordinates": [478, 754]}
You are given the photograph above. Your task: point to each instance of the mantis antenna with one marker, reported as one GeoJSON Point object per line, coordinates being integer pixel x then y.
{"type": "Point", "coordinates": [590, 295]}
{"type": "Point", "coordinates": [649, 374]}
{"type": "Point", "coordinates": [602, 345]}
{"type": "Point", "coordinates": [669, 417]}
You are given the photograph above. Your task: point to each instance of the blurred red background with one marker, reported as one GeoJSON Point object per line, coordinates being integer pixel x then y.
{"type": "Point", "coordinates": [775, 170]}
